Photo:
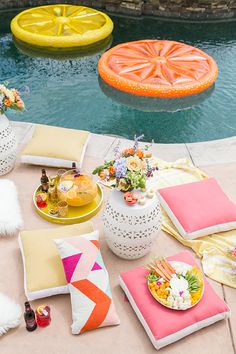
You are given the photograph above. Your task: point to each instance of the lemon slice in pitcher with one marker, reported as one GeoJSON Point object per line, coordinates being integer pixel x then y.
{"type": "Point", "coordinates": [61, 26]}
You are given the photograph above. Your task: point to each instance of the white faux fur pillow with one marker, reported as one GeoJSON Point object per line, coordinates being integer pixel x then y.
{"type": "Point", "coordinates": [10, 314]}
{"type": "Point", "coordinates": [10, 212]}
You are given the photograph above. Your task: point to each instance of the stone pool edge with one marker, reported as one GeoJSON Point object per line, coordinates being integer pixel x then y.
{"type": "Point", "coordinates": [101, 147]}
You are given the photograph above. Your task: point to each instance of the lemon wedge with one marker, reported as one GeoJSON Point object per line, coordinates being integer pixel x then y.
{"type": "Point", "coordinates": [61, 26]}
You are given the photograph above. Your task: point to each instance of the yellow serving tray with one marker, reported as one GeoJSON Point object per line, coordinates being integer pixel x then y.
{"type": "Point", "coordinates": [75, 214]}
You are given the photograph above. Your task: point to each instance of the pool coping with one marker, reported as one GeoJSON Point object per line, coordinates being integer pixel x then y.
{"type": "Point", "coordinates": [101, 147]}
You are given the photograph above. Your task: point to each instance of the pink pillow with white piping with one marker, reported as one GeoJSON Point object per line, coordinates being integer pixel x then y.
{"type": "Point", "coordinates": [165, 326]}
{"type": "Point", "coordinates": [199, 208]}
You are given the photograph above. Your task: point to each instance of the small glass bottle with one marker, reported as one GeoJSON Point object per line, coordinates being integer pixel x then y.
{"type": "Point", "coordinates": [74, 167]}
{"type": "Point", "coordinates": [52, 192]}
{"type": "Point", "coordinates": [44, 181]}
{"type": "Point", "coordinates": [75, 170]}
{"type": "Point", "coordinates": [29, 317]}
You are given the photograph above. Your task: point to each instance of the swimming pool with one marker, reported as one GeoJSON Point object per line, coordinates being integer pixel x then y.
{"type": "Point", "coordinates": [68, 93]}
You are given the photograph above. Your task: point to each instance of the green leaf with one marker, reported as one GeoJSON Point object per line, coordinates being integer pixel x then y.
{"type": "Point", "coordinates": [98, 170]}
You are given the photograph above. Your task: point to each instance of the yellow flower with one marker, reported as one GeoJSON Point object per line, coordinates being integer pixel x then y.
{"type": "Point", "coordinates": [134, 163]}
{"type": "Point", "coordinates": [6, 92]}
{"type": "Point", "coordinates": [122, 186]}
{"type": "Point", "coordinates": [10, 95]}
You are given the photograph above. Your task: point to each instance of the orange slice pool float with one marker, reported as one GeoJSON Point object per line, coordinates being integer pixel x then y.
{"type": "Point", "coordinates": [158, 68]}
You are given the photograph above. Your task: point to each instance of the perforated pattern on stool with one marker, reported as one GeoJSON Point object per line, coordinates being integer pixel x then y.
{"type": "Point", "coordinates": [131, 236]}
{"type": "Point", "coordinates": [8, 146]}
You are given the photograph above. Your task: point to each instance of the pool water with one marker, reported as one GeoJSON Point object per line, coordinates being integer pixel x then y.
{"type": "Point", "coordinates": [67, 92]}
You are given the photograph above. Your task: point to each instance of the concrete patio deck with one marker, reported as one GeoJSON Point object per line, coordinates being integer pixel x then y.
{"type": "Point", "coordinates": [218, 159]}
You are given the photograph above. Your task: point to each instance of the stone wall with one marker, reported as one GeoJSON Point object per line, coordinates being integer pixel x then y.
{"type": "Point", "coordinates": [191, 8]}
{"type": "Point", "coordinates": [198, 9]}
{"type": "Point", "coordinates": [175, 8]}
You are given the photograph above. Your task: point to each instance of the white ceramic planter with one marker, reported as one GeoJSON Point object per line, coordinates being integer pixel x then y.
{"type": "Point", "coordinates": [8, 146]}
{"type": "Point", "coordinates": [130, 231]}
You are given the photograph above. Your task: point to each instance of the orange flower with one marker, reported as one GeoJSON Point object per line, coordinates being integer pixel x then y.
{"type": "Point", "coordinates": [148, 155]}
{"type": "Point", "coordinates": [128, 152]}
{"type": "Point", "coordinates": [140, 154]}
{"type": "Point", "coordinates": [7, 102]}
{"type": "Point", "coordinates": [112, 170]}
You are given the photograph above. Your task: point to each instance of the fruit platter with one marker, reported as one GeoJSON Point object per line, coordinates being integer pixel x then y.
{"type": "Point", "coordinates": [176, 285]}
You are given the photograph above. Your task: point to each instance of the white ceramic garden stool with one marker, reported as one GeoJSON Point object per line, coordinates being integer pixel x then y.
{"type": "Point", "coordinates": [8, 146]}
{"type": "Point", "coordinates": [130, 231]}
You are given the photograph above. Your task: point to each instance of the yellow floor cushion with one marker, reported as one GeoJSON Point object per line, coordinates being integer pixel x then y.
{"type": "Point", "coordinates": [43, 272]}
{"type": "Point", "coordinates": [56, 147]}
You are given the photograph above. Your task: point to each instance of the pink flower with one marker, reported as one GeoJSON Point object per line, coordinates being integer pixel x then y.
{"type": "Point", "coordinates": [19, 104]}
{"type": "Point", "coordinates": [159, 283]}
{"type": "Point", "coordinates": [234, 252]}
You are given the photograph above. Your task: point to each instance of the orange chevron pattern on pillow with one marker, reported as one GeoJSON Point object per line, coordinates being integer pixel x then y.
{"type": "Point", "coordinates": [88, 281]}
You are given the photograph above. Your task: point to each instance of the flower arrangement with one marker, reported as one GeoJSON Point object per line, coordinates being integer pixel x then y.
{"type": "Point", "coordinates": [129, 169]}
{"type": "Point", "coordinates": [177, 285]}
{"type": "Point", "coordinates": [10, 98]}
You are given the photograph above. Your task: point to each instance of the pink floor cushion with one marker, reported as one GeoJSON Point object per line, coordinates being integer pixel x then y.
{"type": "Point", "coordinates": [199, 208]}
{"type": "Point", "coordinates": [88, 282]}
{"type": "Point", "coordinates": [165, 326]}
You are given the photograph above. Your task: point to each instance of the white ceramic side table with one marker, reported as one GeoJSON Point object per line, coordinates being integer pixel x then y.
{"type": "Point", "coordinates": [130, 231]}
{"type": "Point", "coordinates": [8, 146]}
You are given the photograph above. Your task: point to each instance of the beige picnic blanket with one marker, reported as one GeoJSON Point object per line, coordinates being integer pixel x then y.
{"type": "Point", "coordinates": [216, 250]}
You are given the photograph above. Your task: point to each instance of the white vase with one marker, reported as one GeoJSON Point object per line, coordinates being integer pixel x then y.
{"type": "Point", "coordinates": [8, 146]}
{"type": "Point", "coordinates": [130, 231]}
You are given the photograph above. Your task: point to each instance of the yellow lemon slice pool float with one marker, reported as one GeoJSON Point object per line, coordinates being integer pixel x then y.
{"type": "Point", "coordinates": [61, 26]}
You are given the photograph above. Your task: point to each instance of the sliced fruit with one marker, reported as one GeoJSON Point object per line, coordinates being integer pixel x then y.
{"type": "Point", "coordinates": [43, 196]}
{"type": "Point", "coordinates": [71, 194]}
{"type": "Point", "coordinates": [40, 309]}
{"type": "Point", "coordinates": [82, 181]}
{"type": "Point", "coordinates": [41, 200]}
{"type": "Point", "coordinates": [61, 26]}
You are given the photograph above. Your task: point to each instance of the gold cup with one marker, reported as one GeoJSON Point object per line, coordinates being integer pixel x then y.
{"type": "Point", "coordinates": [62, 208]}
